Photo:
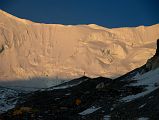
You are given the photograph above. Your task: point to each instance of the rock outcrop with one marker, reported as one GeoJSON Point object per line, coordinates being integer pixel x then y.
{"type": "Point", "coordinates": [153, 62]}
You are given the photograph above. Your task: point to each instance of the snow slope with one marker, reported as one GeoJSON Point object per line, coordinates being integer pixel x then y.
{"type": "Point", "coordinates": [89, 110]}
{"type": "Point", "coordinates": [31, 50]}
{"type": "Point", "coordinates": [150, 80]}
{"type": "Point", "coordinates": [8, 99]}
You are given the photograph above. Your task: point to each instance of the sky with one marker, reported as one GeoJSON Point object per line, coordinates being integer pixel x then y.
{"type": "Point", "coordinates": [107, 13]}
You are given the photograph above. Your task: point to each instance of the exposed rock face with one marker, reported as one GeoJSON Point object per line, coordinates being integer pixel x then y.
{"type": "Point", "coordinates": [51, 50]}
{"type": "Point", "coordinates": [157, 50]}
{"type": "Point", "coordinates": [153, 63]}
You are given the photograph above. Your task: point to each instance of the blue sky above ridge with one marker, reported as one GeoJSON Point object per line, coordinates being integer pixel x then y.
{"type": "Point", "coordinates": [107, 13]}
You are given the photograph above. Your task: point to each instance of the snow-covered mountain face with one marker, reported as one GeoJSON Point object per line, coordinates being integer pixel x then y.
{"type": "Point", "coordinates": [134, 95]}
{"type": "Point", "coordinates": [8, 99]}
{"type": "Point", "coordinates": [31, 50]}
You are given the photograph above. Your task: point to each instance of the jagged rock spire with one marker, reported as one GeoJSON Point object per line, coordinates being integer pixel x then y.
{"type": "Point", "coordinates": [157, 50]}
{"type": "Point", "coordinates": [153, 62]}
